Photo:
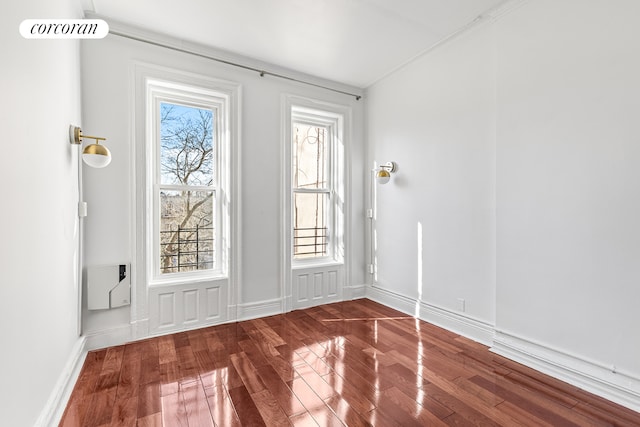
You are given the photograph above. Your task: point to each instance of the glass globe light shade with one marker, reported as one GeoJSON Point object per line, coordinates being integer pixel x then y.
{"type": "Point", "coordinates": [383, 176]}
{"type": "Point", "coordinates": [96, 155]}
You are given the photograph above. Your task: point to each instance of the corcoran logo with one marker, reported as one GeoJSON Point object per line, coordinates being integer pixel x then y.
{"type": "Point", "coordinates": [64, 29]}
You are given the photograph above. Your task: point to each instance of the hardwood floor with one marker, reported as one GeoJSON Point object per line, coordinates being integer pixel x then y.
{"type": "Point", "coordinates": [354, 363]}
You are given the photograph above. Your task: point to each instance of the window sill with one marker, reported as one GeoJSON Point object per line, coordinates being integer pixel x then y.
{"type": "Point", "coordinates": [301, 265]}
{"type": "Point", "coordinates": [187, 279]}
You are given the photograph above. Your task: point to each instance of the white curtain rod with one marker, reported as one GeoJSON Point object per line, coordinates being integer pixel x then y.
{"type": "Point", "coordinates": [234, 64]}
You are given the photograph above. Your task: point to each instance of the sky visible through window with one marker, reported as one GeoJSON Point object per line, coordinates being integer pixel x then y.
{"type": "Point", "coordinates": [187, 138]}
{"type": "Point", "coordinates": [187, 160]}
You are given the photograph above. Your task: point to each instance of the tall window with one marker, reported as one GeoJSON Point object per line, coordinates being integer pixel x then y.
{"type": "Point", "coordinates": [188, 126]}
{"type": "Point", "coordinates": [187, 189]}
{"type": "Point", "coordinates": [316, 178]}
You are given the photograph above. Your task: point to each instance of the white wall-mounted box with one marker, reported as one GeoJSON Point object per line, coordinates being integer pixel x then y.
{"type": "Point", "coordinates": [108, 286]}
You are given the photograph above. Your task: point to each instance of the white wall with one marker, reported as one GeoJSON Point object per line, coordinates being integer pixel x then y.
{"type": "Point", "coordinates": [568, 180]}
{"type": "Point", "coordinates": [435, 119]}
{"type": "Point", "coordinates": [38, 287]}
{"type": "Point", "coordinates": [518, 147]}
{"type": "Point", "coordinates": [107, 102]}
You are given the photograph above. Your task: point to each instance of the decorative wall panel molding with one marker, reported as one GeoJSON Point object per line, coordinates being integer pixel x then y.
{"type": "Point", "coordinates": [317, 285]}
{"type": "Point", "coordinates": [189, 306]}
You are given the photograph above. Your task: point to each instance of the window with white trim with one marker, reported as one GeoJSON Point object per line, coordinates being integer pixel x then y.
{"type": "Point", "coordinates": [316, 185]}
{"type": "Point", "coordinates": [189, 143]}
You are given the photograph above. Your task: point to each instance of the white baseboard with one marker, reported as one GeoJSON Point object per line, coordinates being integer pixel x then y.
{"type": "Point", "coordinates": [140, 329]}
{"type": "Point", "coordinates": [354, 292]}
{"type": "Point", "coordinates": [392, 299]}
{"type": "Point", "coordinates": [466, 326]}
{"type": "Point", "coordinates": [607, 382]}
{"type": "Point", "coordinates": [55, 406]}
{"type": "Point", "coordinates": [253, 310]}
{"type": "Point", "coordinates": [109, 337]}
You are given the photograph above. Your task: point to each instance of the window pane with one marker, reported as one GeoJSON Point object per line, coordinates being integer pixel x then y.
{"type": "Point", "coordinates": [309, 156]}
{"type": "Point", "coordinates": [310, 227]}
{"type": "Point", "coordinates": [186, 231]}
{"type": "Point", "coordinates": [186, 145]}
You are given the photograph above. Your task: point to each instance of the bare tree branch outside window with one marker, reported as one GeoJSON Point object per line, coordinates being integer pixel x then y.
{"type": "Point", "coordinates": [187, 159]}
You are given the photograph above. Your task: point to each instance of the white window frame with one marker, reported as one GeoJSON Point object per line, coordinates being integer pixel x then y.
{"type": "Point", "coordinates": [161, 91]}
{"type": "Point", "coordinates": [325, 117]}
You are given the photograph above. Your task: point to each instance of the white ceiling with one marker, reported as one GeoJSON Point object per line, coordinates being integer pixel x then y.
{"type": "Point", "coordinates": [355, 42]}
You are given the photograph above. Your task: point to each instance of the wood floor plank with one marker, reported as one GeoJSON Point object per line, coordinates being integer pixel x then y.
{"type": "Point", "coordinates": [174, 412]}
{"type": "Point", "coordinates": [150, 367]}
{"type": "Point", "coordinates": [538, 405]}
{"type": "Point", "coordinates": [461, 409]}
{"type": "Point", "coordinates": [254, 354]}
{"type": "Point", "coordinates": [345, 413]}
{"type": "Point", "coordinates": [100, 408]}
{"type": "Point", "coordinates": [610, 416]}
{"type": "Point", "coordinates": [455, 398]}
{"type": "Point", "coordinates": [221, 407]}
{"type": "Point", "coordinates": [543, 388]}
{"type": "Point", "coordinates": [524, 417]}
{"type": "Point", "coordinates": [169, 378]}
{"type": "Point", "coordinates": [267, 348]}
{"type": "Point", "coordinates": [197, 341]}
{"type": "Point", "coordinates": [129, 379]}
{"type": "Point", "coordinates": [417, 411]}
{"type": "Point", "coordinates": [402, 377]}
{"type": "Point", "coordinates": [153, 420]}
{"type": "Point", "coordinates": [205, 361]}
{"type": "Point", "coordinates": [305, 394]}
{"type": "Point", "coordinates": [354, 363]}
{"type": "Point", "coordinates": [364, 342]}
{"type": "Point", "coordinates": [316, 382]}
{"type": "Point", "coordinates": [391, 411]}
{"type": "Point", "coordinates": [125, 412]}
{"type": "Point", "coordinates": [196, 405]}
{"type": "Point", "coordinates": [366, 387]}
{"type": "Point", "coordinates": [288, 401]}
{"type": "Point", "coordinates": [245, 407]}
{"type": "Point", "coordinates": [303, 420]}
{"type": "Point", "coordinates": [149, 400]}
{"type": "Point", "coordinates": [490, 399]}
{"type": "Point", "coordinates": [75, 411]}
{"type": "Point", "coordinates": [271, 412]}
{"type": "Point", "coordinates": [186, 362]}
{"type": "Point", "coordinates": [354, 396]}
{"type": "Point", "coordinates": [247, 372]}
{"type": "Point", "coordinates": [269, 335]}
{"type": "Point", "coordinates": [82, 393]}
{"type": "Point", "coordinates": [324, 416]}
{"type": "Point", "coordinates": [166, 349]}
{"type": "Point", "coordinates": [112, 360]}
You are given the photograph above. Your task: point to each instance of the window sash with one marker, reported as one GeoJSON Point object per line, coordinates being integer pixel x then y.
{"type": "Point", "coordinates": [188, 129]}
{"type": "Point", "coordinates": [218, 109]}
{"type": "Point", "coordinates": [312, 232]}
{"type": "Point", "coordinates": [301, 161]}
{"type": "Point", "coordinates": [192, 247]}
{"type": "Point", "coordinates": [326, 243]}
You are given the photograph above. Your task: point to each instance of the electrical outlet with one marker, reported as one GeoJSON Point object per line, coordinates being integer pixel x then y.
{"type": "Point", "coordinates": [461, 305]}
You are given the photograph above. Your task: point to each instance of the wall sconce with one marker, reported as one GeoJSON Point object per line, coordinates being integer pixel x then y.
{"type": "Point", "coordinates": [383, 175]}
{"type": "Point", "coordinates": [95, 155]}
